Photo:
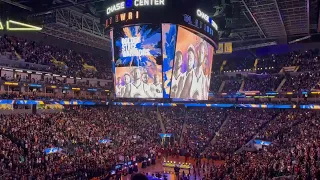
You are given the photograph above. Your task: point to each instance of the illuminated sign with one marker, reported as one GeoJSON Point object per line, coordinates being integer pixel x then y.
{"type": "Point", "coordinates": [205, 17]}
{"type": "Point", "coordinates": [123, 17]}
{"type": "Point", "coordinates": [224, 48]}
{"type": "Point", "coordinates": [129, 47]}
{"type": "Point", "coordinates": [147, 2]}
{"type": "Point", "coordinates": [34, 85]}
{"type": "Point", "coordinates": [115, 7]}
{"type": "Point", "coordinates": [11, 83]}
{"type": "Point", "coordinates": [198, 24]}
{"type": "Point", "coordinates": [94, 90]}
{"type": "Point", "coordinates": [24, 27]}
{"type": "Point", "coordinates": [76, 89]}
{"type": "Point", "coordinates": [134, 3]}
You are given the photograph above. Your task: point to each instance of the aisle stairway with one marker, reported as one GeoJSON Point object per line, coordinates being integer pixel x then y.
{"type": "Point", "coordinates": [214, 138]}
{"type": "Point", "coordinates": [242, 86]}
{"type": "Point", "coordinates": [163, 129]}
{"type": "Point", "coordinates": [245, 146]}
{"type": "Point", "coordinates": [222, 86]}
{"type": "Point", "coordinates": [184, 128]}
{"type": "Point", "coordinates": [16, 141]}
{"type": "Point", "coordinates": [281, 84]}
{"type": "Point", "coordinates": [225, 122]}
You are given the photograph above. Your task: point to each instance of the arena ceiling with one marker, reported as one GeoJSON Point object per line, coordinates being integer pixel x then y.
{"type": "Point", "coordinates": [247, 23]}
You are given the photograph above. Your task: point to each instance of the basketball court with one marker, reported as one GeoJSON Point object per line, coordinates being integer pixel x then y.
{"type": "Point", "coordinates": [169, 172]}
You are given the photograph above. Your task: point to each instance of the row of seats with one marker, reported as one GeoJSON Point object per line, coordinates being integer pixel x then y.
{"type": "Point", "coordinates": [59, 61]}
{"type": "Point", "coordinates": [296, 82]}
{"type": "Point", "coordinates": [267, 73]}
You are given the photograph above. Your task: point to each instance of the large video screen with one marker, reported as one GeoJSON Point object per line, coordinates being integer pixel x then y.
{"type": "Point", "coordinates": [138, 61]}
{"type": "Point", "coordinates": [192, 67]}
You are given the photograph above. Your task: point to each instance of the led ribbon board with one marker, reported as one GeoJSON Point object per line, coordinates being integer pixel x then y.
{"type": "Point", "coordinates": [134, 3]}
{"type": "Point", "coordinates": [206, 17]}
{"type": "Point", "coordinates": [24, 27]}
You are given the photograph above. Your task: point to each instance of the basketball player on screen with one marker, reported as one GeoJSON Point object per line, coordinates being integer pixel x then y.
{"type": "Point", "coordinates": [190, 75]}
{"type": "Point", "coordinates": [199, 81]}
{"type": "Point", "coordinates": [156, 87]}
{"type": "Point", "coordinates": [135, 89]}
{"type": "Point", "coordinates": [118, 87]}
{"type": "Point", "coordinates": [127, 86]}
{"type": "Point", "coordinates": [146, 86]}
{"type": "Point", "coordinates": [178, 76]}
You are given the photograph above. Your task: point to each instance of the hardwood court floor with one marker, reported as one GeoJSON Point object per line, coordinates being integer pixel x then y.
{"type": "Point", "coordinates": [158, 168]}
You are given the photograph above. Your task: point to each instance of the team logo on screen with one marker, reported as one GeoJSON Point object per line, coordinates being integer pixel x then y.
{"type": "Point", "coordinates": [129, 3]}
{"type": "Point", "coordinates": [138, 66]}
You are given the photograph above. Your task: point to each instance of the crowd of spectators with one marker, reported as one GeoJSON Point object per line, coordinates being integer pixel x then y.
{"type": "Point", "coordinates": [77, 132]}
{"type": "Point", "coordinates": [298, 68]}
{"type": "Point", "coordinates": [262, 83]}
{"type": "Point", "coordinates": [301, 82]}
{"type": "Point", "coordinates": [57, 60]}
{"type": "Point", "coordinates": [232, 85]}
{"type": "Point", "coordinates": [72, 65]}
{"type": "Point", "coordinates": [294, 153]}
{"type": "Point", "coordinates": [216, 83]}
{"type": "Point", "coordinates": [134, 134]}
{"type": "Point", "coordinates": [201, 126]}
{"type": "Point", "coordinates": [134, 131]}
{"type": "Point", "coordinates": [173, 120]}
{"type": "Point", "coordinates": [241, 125]}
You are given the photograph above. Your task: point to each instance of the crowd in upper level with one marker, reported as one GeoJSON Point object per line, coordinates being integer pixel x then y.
{"type": "Point", "coordinates": [57, 60]}
{"type": "Point", "coordinates": [265, 73]}
{"type": "Point", "coordinates": [291, 72]}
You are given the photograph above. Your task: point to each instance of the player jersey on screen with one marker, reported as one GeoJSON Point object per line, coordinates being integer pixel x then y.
{"type": "Point", "coordinates": [206, 87]}
{"type": "Point", "coordinates": [157, 90]}
{"type": "Point", "coordinates": [176, 82]}
{"type": "Point", "coordinates": [137, 91]}
{"type": "Point", "coordinates": [119, 91]}
{"type": "Point", "coordinates": [198, 85]}
{"type": "Point", "coordinates": [147, 90]}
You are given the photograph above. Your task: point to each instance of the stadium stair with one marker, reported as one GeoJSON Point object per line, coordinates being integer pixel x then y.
{"type": "Point", "coordinates": [262, 127]}
{"type": "Point", "coordinates": [184, 128]}
{"type": "Point", "coordinates": [161, 122]}
{"type": "Point", "coordinates": [16, 141]}
{"type": "Point", "coordinates": [281, 84]}
{"type": "Point", "coordinates": [242, 85]}
{"type": "Point", "coordinates": [225, 122]}
{"type": "Point", "coordinates": [222, 86]}
{"type": "Point", "coordinates": [211, 140]}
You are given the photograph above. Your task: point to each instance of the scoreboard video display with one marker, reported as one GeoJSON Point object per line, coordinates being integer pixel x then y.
{"type": "Point", "coordinates": [138, 61]}
{"type": "Point", "coordinates": [160, 49]}
{"type": "Point", "coordinates": [161, 61]}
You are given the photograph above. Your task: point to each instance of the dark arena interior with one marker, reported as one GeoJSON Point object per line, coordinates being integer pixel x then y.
{"type": "Point", "coordinates": [159, 89]}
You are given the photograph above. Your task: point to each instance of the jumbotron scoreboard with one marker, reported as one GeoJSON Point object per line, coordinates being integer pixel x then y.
{"type": "Point", "coordinates": [161, 50]}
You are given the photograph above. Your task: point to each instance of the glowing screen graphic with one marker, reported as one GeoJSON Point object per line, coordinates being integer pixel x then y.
{"type": "Point", "coordinates": [169, 35]}
{"type": "Point", "coordinates": [138, 61]}
{"type": "Point", "coordinates": [192, 67]}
